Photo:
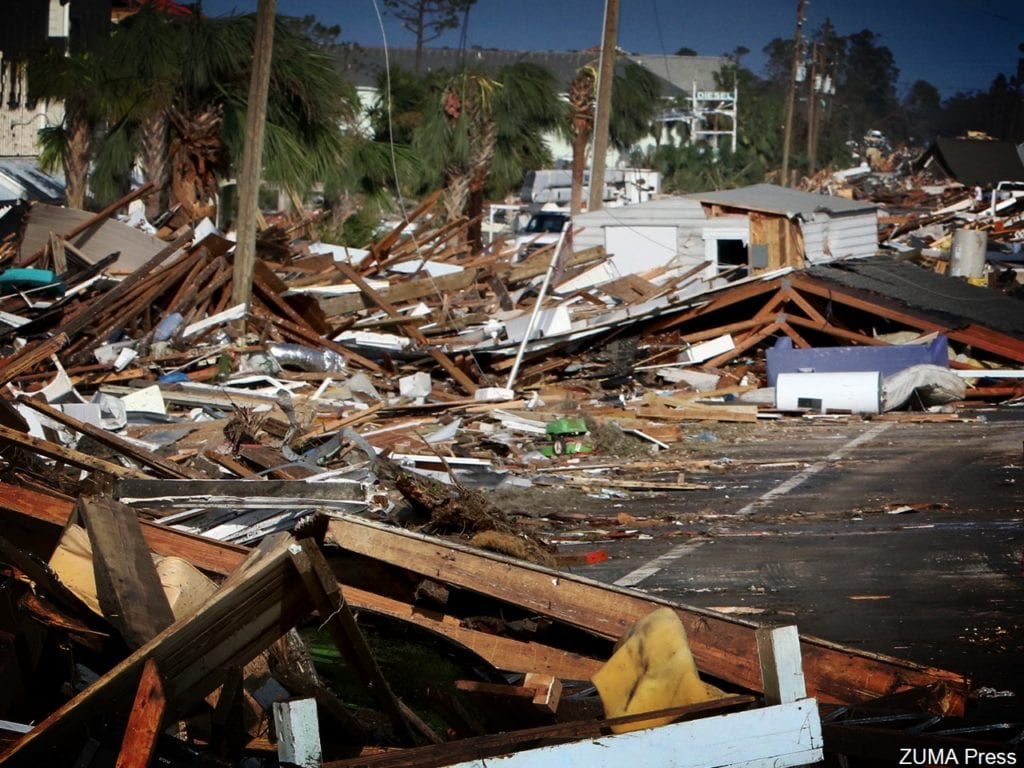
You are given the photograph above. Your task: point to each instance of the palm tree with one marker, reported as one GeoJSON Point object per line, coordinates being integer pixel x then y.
{"type": "Point", "coordinates": [173, 96]}
{"type": "Point", "coordinates": [81, 81]}
{"type": "Point", "coordinates": [485, 132]}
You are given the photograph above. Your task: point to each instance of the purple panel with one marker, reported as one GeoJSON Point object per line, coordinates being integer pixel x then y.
{"type": "Point", "coordinates": [783, 358]}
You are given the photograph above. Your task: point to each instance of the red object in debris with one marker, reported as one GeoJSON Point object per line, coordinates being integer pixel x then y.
{"type": "Point", "coordinates": [600, 555]}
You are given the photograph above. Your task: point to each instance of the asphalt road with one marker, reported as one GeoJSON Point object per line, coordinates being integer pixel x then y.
{"type": "Point", "coordinates": [803, 524]}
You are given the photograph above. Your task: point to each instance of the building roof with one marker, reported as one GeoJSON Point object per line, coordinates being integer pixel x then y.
{"type": "Point", "coordinates": [21, 179]}
{"type": "Point", "coordinates": [362, 66]}
{"type": "Point", "coordinates": [955, 301]}
{"type": "Point", "coordinates": [974, 161]}
{"type": "Point", "coordinates": [769, 198]}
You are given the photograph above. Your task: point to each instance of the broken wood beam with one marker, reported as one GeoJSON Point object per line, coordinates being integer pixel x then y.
{"type": "Point", "coordinates": [724, 647]}
{"type": "Point", "coordinates": [262, 599]}
{"type": "Point", "coordinates": [410, 329]}
{"type": "Point", "coordinates": [158, 464]}
{"type": "Point", "coordinates": [144, 723]}
{"type": "Point", "coordinates": [28, 356]}
{"type": "Point", "coordinates": [68, 455]}
{"type": "Point", "coordinates": [212, 556]}
{"type": "Point", "coordinates": [327, 596]}
{"type": "Point", "coordinates": [127, 584]}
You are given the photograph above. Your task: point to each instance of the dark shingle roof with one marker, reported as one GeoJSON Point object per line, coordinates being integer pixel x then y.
{"type": "Point", "coordinates": [972, 161]}
{"type": "Point", "coordinates": [954, 301]}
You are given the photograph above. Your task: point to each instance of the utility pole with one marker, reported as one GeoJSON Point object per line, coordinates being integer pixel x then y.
{"type": "Point", "coordinates": [787, 133]}
{"type": "Point", "coordinates": [604, 103]}
{"type": "Point", "coordinates": [252, 158]}
{"type": "Point", "coordinates": [814, 77]}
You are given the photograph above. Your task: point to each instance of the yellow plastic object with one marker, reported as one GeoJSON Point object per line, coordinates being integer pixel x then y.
{"type": "Point", "coordinates": [186, 587]}
{"type": "Point", "coordinates": [72, 562]}
{"type": "Point", "coordinates": [651, 669]}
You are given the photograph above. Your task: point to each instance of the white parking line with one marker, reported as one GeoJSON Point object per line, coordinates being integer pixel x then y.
{"type": "Point", "coordinates": [798, 479]}
{"type": "Point", "coordinates": [633, 578]}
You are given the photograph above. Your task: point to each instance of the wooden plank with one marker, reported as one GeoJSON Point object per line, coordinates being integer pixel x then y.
{"type": "Point", "coordinates": [780, 737]}
{"type": "Point", "coordinates": [256, 605]}
{"type": "Point", "coordinates": [502, 743]}
{"type": "Point", "coordinates": [724, 647]}
{"type": "Point", "coordinates": [209, 555]}
{"type": "Point", "coordinates": [146, 457]}
{"type": "Point", "coordinates": [127, 584]}
{"type": "Point", "coordinates": [28, 356]}
{"type": "Point", "coordinates": [402, 292]}
{"type": "Point", "coordinates": [778, 649]}
{"type": "Point", "coordinates": [500, 652]}
{"type": "Point", "coordinates": [410, 329]}
{"type": "Point", "coordinates": [144, 724]}
{"type": "Point", "coordinates": [68, 455]}
{"type": "Point", "coordinates": [325, 593]}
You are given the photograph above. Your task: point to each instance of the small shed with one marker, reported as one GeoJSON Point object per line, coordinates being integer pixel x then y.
{"type": "Point", "coordinates": [733, 232]}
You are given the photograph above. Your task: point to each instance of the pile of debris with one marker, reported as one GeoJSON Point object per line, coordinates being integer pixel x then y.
{"type": "Point", "coordinates": [152, 433]}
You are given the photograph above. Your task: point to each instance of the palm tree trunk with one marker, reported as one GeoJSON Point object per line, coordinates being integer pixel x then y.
{"type": "Point", "coordinates": [156, 162]}
{"type": "Point", "coordinates": [579, 166]}
{"type": "Point", "coordinates": [481, 168]}
{"type": "Point", "coordinates": [581, 99]}
{"type": "Point", "coordinates": [456, 192]}
{"type": "Point", "coordinates": [76, 158]}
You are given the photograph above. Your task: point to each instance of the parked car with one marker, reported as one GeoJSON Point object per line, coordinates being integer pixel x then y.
{"type": "Point", "coordinates": [541, 230]}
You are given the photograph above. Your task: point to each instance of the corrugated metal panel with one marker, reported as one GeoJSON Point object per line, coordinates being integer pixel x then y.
{"type": "Point", "coordinates": [852, 237]}
{"type": "Point", "coordinates": [815, 234]}
{"type": "Point", "coordinates": [770, 198]}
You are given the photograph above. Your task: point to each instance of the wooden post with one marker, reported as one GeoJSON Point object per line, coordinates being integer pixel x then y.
{"type": "Point", "coordinates": [252, 157]}
{"type": "Point", "coordinates": [782, 672]}
{"type": "Point", "coordinates": [604, 104]}
{"type": "Point", "coordinates": [791, 95]}
{"type": "Point", "coordinates": [334, 611]}
{"type": "Point", "coordinates": [144, 723]}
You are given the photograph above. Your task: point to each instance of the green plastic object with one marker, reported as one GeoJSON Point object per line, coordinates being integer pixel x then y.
{"type": "Point", "coordinates": [565, 437]}
{"type": "Point", "coordinates": [27, 278]}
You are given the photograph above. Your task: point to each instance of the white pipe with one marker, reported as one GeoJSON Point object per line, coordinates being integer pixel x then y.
{"type": "Point", "coordinates": [537, 306]}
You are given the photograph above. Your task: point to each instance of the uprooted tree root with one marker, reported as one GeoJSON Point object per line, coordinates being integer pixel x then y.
{"type": "Point", "coordinates": [466, 511]}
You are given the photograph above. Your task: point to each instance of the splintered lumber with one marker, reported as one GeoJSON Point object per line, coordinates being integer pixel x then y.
{"type": "Point", "coordinates": [127, 584]}
{"type": "Point", "coordinates": [409, 328]}
{"type": "Point", "coordinates": [327, 596]}
{"type": "Point", "coordinates": [28, 356]}
{"type": "Point", "coordinates": [256, 605]}
{"type": "Point", "coordinates": [399, 293]}
{"type": "Point", "coordinates": [724, 647]}
{"type": "Point", "coordinates": [145, 457]}
{"type": "Point", "coordinates": [144, 724]}
{"type": "Point", "coordinates": [209, 555]}
{"type": "Point", "coordinates": [57, 451]}
{"type": "Point", "coordinates": [81, 320]}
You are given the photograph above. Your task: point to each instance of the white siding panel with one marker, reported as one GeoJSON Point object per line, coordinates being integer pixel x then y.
{"type": "Point", "coordinates": [853, 236]}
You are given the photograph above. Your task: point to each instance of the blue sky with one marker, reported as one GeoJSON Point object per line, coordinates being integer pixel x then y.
{"type": "Point", "coordinates": [957, 45]}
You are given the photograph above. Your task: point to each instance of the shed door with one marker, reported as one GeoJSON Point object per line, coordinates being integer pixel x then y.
{"type": "Point", "coordinates": [638, 249]}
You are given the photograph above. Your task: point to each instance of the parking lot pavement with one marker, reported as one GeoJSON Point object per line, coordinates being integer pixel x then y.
{"type": "Point", "coordinates": [897, 538]}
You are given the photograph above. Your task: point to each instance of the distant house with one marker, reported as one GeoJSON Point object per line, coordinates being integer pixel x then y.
{"type": "Point", "coordinates": [732, 232]}
{"type": "Point", "coordinates": [680, 76]}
